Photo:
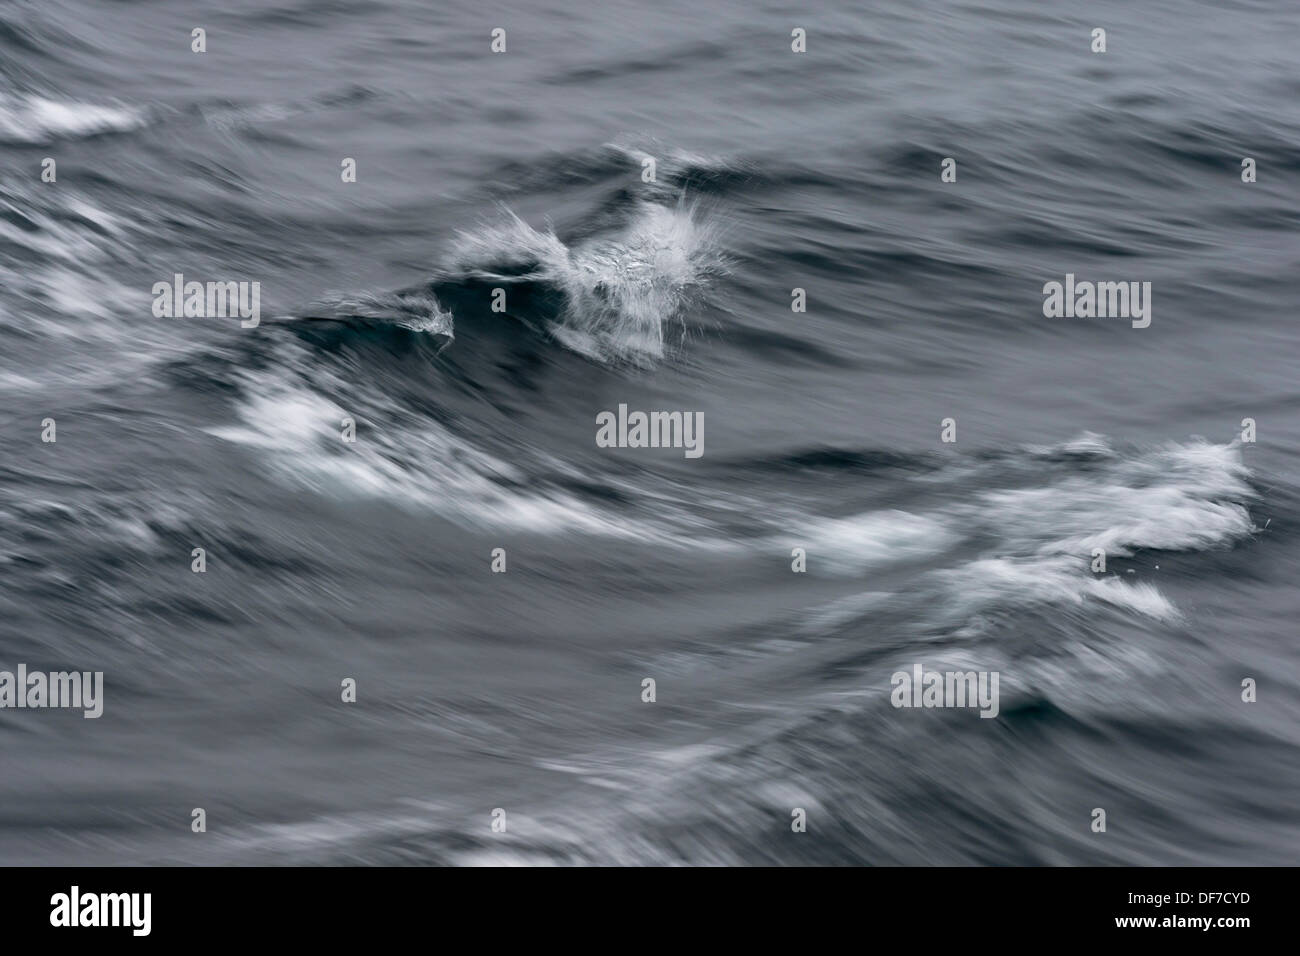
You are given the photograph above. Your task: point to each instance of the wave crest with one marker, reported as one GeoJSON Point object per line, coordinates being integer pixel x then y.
{"type": "Point", "coordinates": [31, 119]}
{"type": "Point", "coordinates": [620, 290]}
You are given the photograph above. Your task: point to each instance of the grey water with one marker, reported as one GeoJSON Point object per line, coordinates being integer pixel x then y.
{"type": "Point", "coordinates": [522, 691]}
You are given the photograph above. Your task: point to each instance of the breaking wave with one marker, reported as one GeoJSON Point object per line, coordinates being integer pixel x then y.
{"type": "Point", "coordinates": [620, 290]}
{"type": "Point", "coordinates": [32, 119]}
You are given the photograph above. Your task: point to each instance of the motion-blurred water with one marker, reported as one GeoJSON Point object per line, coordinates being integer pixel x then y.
{"type": "Point", "coordinates": [522, 690]}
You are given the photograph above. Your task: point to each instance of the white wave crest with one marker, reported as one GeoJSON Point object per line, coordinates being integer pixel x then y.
{"type": "Point", "coordinates": [1178, 497]}
{"type": "Point", "coordinates": [619, 290]}
{"type": "Point", "coordinates": [38, 119]}
{"type": "Point", "coordinates": [875, 538]}
{"type": "Point", "coordinates": [431, 467]}
{"type": "Point", "coordinates": [1038, 541]}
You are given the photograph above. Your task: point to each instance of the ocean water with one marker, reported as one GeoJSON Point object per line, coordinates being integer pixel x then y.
{"type": "Point", "coordinates": [475, 430]}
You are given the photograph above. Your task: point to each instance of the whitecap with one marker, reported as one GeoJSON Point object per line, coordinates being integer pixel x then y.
{"type": "Point", "coordinates": [27, 118]}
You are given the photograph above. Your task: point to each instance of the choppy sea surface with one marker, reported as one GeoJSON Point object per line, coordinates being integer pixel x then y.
{"type": "Point", "coordinates": [475, 430]}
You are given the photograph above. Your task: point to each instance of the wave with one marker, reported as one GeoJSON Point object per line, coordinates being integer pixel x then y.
{"type": "Point", "coordinates": [31, 119]}
{"type": "Point", "coordinates": [1037, 543]}
{"type": "Point", "coordinates": [60, 255]}
{"type": "Point", "coordinates": [996, 532]}
{"type": "Point", "coordinates": [1176, 497]}
{"type": "Point", "coordinates": [850, 545]}
{"type": "Point", "coordinates": [428, 466]}
{"type": "Point", "coordinates": [618, 290]}
{"type": "Point", "coordinates": [415, 311]}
